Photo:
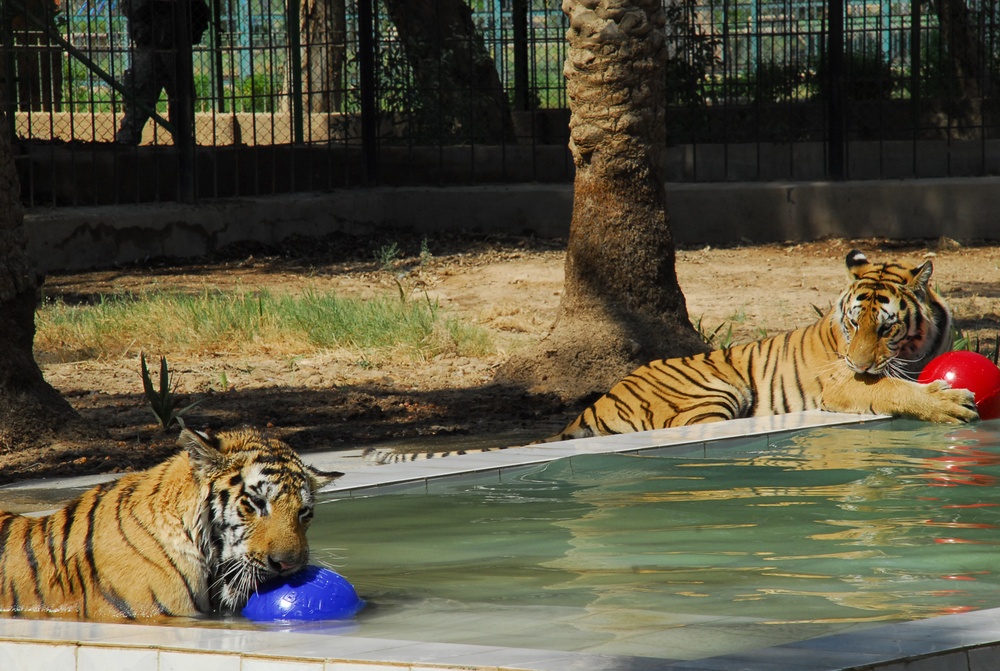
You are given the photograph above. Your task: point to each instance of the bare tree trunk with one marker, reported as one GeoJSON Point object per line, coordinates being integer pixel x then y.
{"type": "Point", "coordinates": [622, 305]}
{"type": "Point", "coordinates": [32, 414]}
{"type": "Point", "coordinates": [459, 88]}
{"type": "Point", "coordinates": [967, 60]}
{"type": "Point", "coordinates": [323, 27]}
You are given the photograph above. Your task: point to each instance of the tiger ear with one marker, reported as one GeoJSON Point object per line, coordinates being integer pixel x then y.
{"type": "Point", "coordinates": [319, 479]}
{"type": "Point", "coordinates": [202, 449]}
{"type": "Point", "coordinates": [857, 263]}
{"type": "Point", "coordinates": [922, 275]}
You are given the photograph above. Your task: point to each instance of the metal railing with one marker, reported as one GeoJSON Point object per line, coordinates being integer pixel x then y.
{"type": "Point", "coordinates": [323, 94]}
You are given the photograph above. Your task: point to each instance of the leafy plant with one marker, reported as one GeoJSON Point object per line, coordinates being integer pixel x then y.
{"type": "Point", "coordinates": [204, 92]}
{"type": "Point", "coordinates": [162, 401]}
{"type": "Point", "coordinates": [387, 255]}
{"type": "Point", "coordinates": [960, 341]}
{"type": "Point", "coordinates": [716, 339]}
{"type": "Point", "coordinates": [724, 339]}
{"type": "Point", "coordinates": [773, 82]}
{"type": "Point", "coordinates": [695, 56]}
{"type": "Point", "coordinates": [867, 72]}
{"type": "Point", "coordinates": [257, 93]}
{"type": "Point", "coordinates": [425, 253]}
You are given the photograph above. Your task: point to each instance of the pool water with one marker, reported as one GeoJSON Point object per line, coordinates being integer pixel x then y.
{"type": "Point", "coordinates": [684, 556]}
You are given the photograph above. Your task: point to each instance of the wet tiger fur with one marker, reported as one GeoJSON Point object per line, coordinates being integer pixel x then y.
{"type": "Point", "coordinates": [860, 357]}
{"type": "Point", "coordinates": [194, 535]}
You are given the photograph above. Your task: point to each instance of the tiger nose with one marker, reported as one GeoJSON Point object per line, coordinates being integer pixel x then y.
{"type": "Point", "coordinates": [869, 369]}
{"type": "Point", "coordinates": [285, 563]}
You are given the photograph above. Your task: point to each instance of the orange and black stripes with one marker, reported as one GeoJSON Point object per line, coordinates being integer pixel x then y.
{"type": "Point", "coordinates": [146, 546]}
{"type": "Point", "coordinates": [790, 372]}
{"type": "Point", "coordinates": [858, 358]}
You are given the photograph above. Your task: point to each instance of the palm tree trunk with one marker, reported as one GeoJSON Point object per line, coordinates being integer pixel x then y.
{"type": "Point", "coordinates": [32, 413]}
{"type": "Point", "coordinates": [622, 305]}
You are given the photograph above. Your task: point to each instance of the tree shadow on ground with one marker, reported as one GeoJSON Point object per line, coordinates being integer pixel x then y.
{"type": "Point", "coordinates": [308, 419]}
{"type": "Point", "coordinates": [334, 253]}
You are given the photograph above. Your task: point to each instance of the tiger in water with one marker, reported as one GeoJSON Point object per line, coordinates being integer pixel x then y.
{"type": "Point", "coordinates": [193, 535]}
{"type": "Point", "coordinates": [861, 357]}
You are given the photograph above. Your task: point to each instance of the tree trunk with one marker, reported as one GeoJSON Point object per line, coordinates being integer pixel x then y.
{"type": "Point", "coordinates": [967, 61]}
{"type": "Point", "coordinates": [32, 414]}
{"type": "Point", "coordinates": [622, 305]}
{"type": "Point", "coordinates": [323, 27]}
{"type": "Point", "coordinates": [459, 91]}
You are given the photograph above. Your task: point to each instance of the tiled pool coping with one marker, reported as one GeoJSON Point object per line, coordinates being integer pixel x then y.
{"type": "Point", "coordinates": [968, 641]}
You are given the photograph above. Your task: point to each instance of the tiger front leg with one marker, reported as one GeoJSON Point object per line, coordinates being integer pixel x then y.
{"type": "Point", "coordinates": [939, 402]}
{"type": "Point", "coordinates": [934, 402]}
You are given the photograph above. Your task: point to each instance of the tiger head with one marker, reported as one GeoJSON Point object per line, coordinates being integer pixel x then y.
{"type": "Point", "coordinates": [260, 499]}
{"type": "Point", "coordinates": [891, 319]}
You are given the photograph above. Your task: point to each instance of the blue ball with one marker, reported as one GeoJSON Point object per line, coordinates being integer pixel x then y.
{"type": "Point", "coordinates": [314, 593]}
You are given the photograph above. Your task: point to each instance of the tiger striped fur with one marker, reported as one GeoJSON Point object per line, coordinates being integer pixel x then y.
{"type": "Point", "coordinates": [193, 535]}
{"type": "Point", "coordinates": [860, 357]}
{"type": "Point", "coordinates": [381, 456]}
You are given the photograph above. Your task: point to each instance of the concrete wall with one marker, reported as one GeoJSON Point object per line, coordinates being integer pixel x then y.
{"type": "Point", "coordinates": [963, 209]}
{"type": "Point", "coordinates": [78, 238]}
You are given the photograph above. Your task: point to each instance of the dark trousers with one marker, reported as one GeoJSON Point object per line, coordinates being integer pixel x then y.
{"type": "Point", "coordinates": [151, 72]}
{"type": "Point", "coordinates": [151, 25]}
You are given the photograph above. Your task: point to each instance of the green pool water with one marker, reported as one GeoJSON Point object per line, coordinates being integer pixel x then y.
{"type": "Point", "coordinates": [682, 556]}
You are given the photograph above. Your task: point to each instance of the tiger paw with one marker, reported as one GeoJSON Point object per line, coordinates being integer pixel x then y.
{"type": "Point", "coordinates": [947, 405]}
{"type": "Point", "coordinates": [963, 369]}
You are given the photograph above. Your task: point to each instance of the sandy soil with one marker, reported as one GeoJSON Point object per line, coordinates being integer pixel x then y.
{"type": "Point", "coordinates": [510, 286]}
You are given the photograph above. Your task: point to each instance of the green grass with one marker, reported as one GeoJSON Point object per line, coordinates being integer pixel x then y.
{"type": "Point", "coordinates": [961, 341]}
{"type": "Point", "coordinates": [253, 322]}
{"type": "Point", "coordinates": [724, 336]}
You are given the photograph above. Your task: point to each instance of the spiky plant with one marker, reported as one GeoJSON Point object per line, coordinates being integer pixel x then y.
{"type": "Point", "coordinates": [162, 401]}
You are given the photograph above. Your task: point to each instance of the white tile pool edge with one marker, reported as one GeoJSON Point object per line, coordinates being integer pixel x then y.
{"type": "Point", "coordinates": [366, 479]}
{"type": "Point", "coordinates": [967, 641]}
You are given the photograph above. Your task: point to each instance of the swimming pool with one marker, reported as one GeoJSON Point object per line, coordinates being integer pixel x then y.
{"type": "Point", "coordinates": [759, 542]}
{"type": "Point", "coordinates": [969, 641]}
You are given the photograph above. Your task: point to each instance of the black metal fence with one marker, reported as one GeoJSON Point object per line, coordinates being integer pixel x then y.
{"type": "Point", "coordinates": [295, 95]}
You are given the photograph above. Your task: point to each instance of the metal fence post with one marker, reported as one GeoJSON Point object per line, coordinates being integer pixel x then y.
{"type": "Point", "coordinates": [8, 87]}
{"type": "Point", "coordinates": [915, 62]}
{"type": "Point", "coordinates": [519, 23]}
{"type": "Point", "coordinates": [836, 136]}
{"type": "Point", "coordinates": [182, 109]}
{"type": "Point", "coordinates": [367, 83]}
{"type": "Point", "coordinates": [219, 74]}
{"type": "Point", "coordinates": [292, 19]}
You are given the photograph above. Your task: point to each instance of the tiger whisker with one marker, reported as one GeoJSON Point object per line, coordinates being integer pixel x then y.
{"type": "Point", "coordinates": [899, 370]}
{"type": "Point", "coordinates": [238, 579]}
{"type": "Point", "coordinates": [216, 549]}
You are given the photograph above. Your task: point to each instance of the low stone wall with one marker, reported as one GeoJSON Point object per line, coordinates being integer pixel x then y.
{"type": "Point", "coordinates": [713, 214]}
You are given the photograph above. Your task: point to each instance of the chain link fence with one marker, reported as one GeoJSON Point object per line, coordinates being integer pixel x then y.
{"type": "Point", "coordinates": [272, 96]}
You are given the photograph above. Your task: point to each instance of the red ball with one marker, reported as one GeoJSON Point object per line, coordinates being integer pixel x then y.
{"type": "Point", "coordinates": [968, 370]}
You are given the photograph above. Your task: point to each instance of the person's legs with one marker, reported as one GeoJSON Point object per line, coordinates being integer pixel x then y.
{"type": "Point", "coordinates": [143, 79]}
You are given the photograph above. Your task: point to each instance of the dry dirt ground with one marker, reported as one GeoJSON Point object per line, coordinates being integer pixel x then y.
{"type": "Point", "coordinates": [510, 286]}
